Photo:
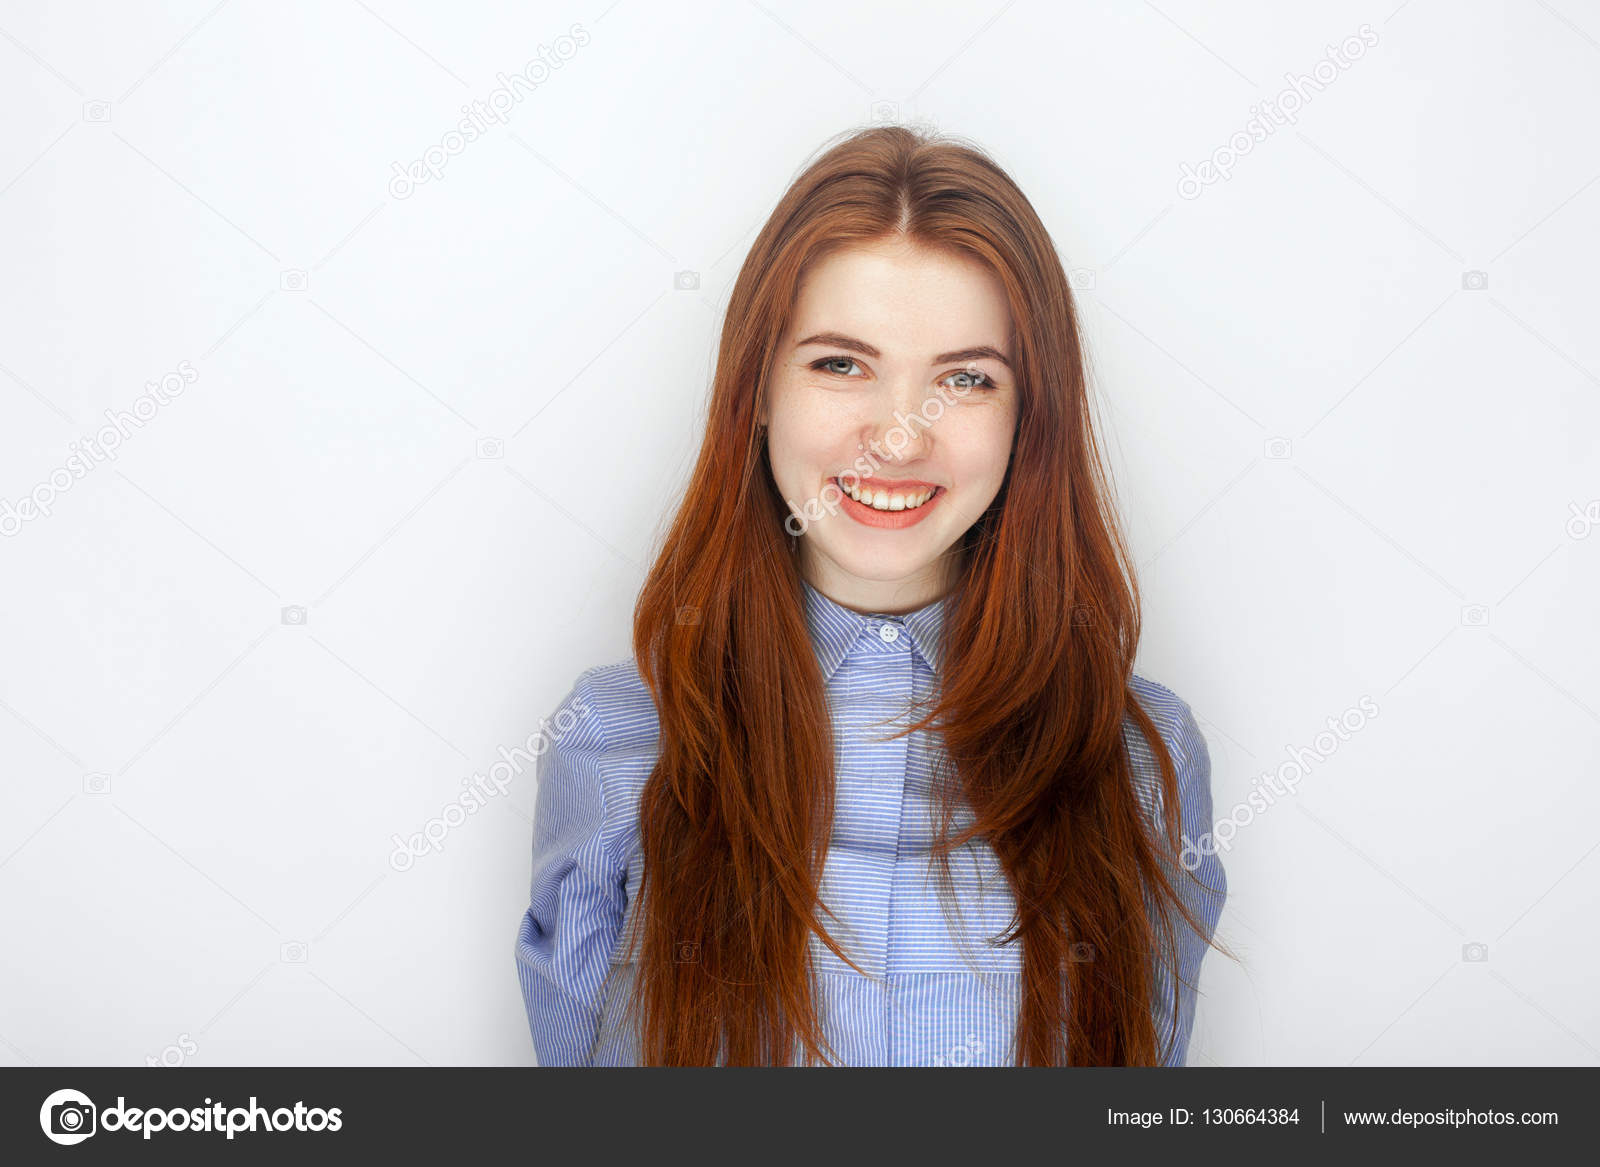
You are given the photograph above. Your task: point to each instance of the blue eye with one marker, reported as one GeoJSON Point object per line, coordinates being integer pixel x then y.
{"type": "Point", "coordinates": [821, 365]}
{"type": "Point", "coordinates": [981, 379]}
{"type": "Point", "coordinates": [829, 365]}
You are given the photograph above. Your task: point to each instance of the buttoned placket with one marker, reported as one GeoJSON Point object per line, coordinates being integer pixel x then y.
{"type": "Point", "coordinates": [872, 663]}
{"type": "Point", "coordinates": [883, 639]}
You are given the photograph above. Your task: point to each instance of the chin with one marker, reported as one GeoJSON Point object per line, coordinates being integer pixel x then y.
{"type": "Point", "coordinates": [873, 564]}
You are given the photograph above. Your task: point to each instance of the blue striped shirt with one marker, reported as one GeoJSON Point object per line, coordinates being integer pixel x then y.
{"type": "Point", "coordinates": [934, 992]}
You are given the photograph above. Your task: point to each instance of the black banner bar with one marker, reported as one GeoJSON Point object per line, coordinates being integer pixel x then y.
{"type": "Point", "coordinates": [323, 1114]}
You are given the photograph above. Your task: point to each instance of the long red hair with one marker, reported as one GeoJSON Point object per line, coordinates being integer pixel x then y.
{"type": "Point", "coordinates": [1040, 636]}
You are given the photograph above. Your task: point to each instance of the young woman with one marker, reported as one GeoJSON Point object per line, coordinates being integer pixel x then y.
{"type": "Point", "coordinates": [879, 785]}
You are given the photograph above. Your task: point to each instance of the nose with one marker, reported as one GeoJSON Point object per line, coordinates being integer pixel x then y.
{"type": "Point", "coordinates": [900, 425]}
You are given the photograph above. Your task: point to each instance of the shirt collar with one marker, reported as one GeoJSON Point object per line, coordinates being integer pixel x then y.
{"type": "Point", "coordinates": [834, 629]}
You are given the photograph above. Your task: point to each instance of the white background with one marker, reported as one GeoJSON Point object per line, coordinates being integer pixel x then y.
{"type": "Point", "coordinates": [166, 169]}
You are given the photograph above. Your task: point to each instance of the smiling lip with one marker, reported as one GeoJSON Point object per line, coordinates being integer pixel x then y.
{"type": "Point", "coordinates": [894, 484]}
{"type": "Point", "coordinates": [890, 520]}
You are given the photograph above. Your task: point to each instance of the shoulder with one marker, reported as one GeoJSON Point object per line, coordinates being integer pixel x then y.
{"type": "Point", "coordinates": [1175, 720]}
{"type": "Point", "coordinates": [1180, 733]}
{"type": "Point", "coordinates": [603, 738]}
{"type": "Point", "coordinates": [617, 702]}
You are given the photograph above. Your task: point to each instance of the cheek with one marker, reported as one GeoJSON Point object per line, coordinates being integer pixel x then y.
{"type": "Point", "coordinates": [976, 442]}
{"type": "Point", "coordinates": [807, 433]}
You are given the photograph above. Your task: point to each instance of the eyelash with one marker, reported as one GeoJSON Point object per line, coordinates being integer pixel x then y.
{"type": "Point", "coordinates": [984, 383]}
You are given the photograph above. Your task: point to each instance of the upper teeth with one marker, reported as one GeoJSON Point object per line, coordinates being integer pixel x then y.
{"type": "Point", "coordinates": [884, 500]}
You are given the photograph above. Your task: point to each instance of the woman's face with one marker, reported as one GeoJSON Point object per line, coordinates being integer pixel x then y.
{"type": "Point", "coordinates": [895, 380]}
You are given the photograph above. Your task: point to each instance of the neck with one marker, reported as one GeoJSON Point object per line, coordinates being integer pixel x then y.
{"type": "Point", "coordinates": [879, 597]}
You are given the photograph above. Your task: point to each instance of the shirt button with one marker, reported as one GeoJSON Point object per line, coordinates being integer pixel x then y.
{"type": "Point", "coordinates": [888, 633]}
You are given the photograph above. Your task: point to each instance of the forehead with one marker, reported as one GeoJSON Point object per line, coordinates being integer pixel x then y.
{"type": "Point", "coordinates": [906, 298]}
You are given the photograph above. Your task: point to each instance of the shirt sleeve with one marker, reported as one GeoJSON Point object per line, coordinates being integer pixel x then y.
{"type": "Point", "coordinates": [1200, 880]}
{"type": "Point", "coordinates": [578, 895]}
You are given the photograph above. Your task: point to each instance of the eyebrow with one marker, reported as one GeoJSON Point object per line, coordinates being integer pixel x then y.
{"type": "Point", "coordinates": [840, 340]}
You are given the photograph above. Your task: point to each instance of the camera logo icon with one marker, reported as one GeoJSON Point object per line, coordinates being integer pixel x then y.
{"type": "Point", "coordinates": [1081, 279]}
{"type": "Point", "coordinates": [686, 952]}
{"type": "Point", "coordinates": [1477, 953]}
{"type": "Point", "coordinates": [292, 952]}
{"type": "Point", "coordinates": [1475, 616]}
{"type": "Point", "coordinates": [97, 783]}
{"type": "Point", "coordinates": [1080, 951]}
{"type": "Point", "coordinates": [293, 280]}
{"type": "Point", "coordinates": [688, 614]}
{"type": "Point", "coordinates": [491, 448]}
{"type": "Point", "coordinates": [1475, 281]}
{"type": "Point", "coordinates": [686, 281]}
{"type": "Point", "coordinates": [294, 614]}
{"type": "Point", "coordinates": [1278, 449]}
{"type": "Point", "coordinates": [885, 112]}
{"type": "Point", "coordinates": [67, 1117]}
{"type": "Point", "coordinates": [97, 111]}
